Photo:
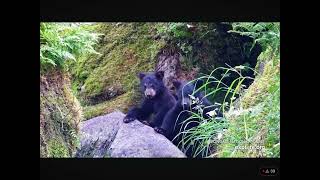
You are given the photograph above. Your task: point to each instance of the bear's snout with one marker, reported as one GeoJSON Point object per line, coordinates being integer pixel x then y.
{"type": "Point", "coordinates": [149, 92]}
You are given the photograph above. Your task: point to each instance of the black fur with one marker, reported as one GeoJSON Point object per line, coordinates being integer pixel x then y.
{"type": "Point", "coordinates": [157, 100]}
{"type": "Point", "coordinates": [171, 123]}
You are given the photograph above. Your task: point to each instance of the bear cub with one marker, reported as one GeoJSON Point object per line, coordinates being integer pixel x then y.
{"type": "Point", "coordinates": [157, 100]}
{"type": "Point", "coordinates": [179, 112]}
{"type": "Point", "coordinates": [172, 122]}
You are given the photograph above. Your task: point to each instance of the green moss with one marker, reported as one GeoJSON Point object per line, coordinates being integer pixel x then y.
{"type": "Point", "coordinates": [126, 49]}
{"type": "Point", "coordinates": [60, 114]}
{"type": "Point", "coordinates": [122, 103]}
{"type": "Point", "coordinates": [264, 81]}
{"type": "Point", "coordinates": [256, 124]}
{"type": "Point", "coordinates": [57, 148]}
{"type": "Point", "coordinates": [121, 65]}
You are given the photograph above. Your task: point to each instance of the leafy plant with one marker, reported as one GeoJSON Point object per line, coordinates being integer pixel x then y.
{"type": "Point", "coordinates": [266, 34]}
{"type": "Point", "coordinates": [62, 41]}
{"type": "Point", "coordinates": [203, 138]}
{"type": "Point", "coordinates": [254, 125]}
{"type": "Point", "coordinates": [244, 131]}
{"type": "Point", "coordinates": [178, 34]}
{"type": "Point", "coordinates": [175, 30]}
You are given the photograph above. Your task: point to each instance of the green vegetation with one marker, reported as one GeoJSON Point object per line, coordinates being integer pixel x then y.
{"type": "Point", "coordinates": [256, 123]}
{"type": "Point", "coordinates": [60, 114]}
{"type": "Point", "coordinates": [204, 136]}
{"type": "Point", "coordinates": [61, 42]}
{"type": "Point", "coordinates": [88, 70]}
{"type": "Point", "coordinates": [184, 35]}
{"type": "Point", "coordinates": [57, 149]}
{"type": "Point", "coordinates": [251, 126]}
{"type": "Point", "coordinates": [126, 49]}
{"type": "Point", "coordinates": [111, 105]}
{"type": "Point", "coordinates": [60, 111]}
{"type": "Point", "coordinates": [266, 34]}
{"type": "Point", "coordinates": [207, 46]}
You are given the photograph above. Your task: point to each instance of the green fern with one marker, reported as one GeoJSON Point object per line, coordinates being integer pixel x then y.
{"type": "Point", "coordinates": [266, 34]}
{"type": "Point", "coordinates": [61, 41]}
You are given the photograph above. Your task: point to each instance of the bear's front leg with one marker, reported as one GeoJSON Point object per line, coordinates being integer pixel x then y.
{"type": "Point", "coordinates": [139, 113]}
{"type": "Point", "coordinates": [169, 121]}
{"type": "Point", "coordinates": [158, 120]}
{"type": "Point", "coordinates": [132, 115]}
{"type": "Point", "coordinates": [146, 123]}
{"type": "Point", "coordinates": [160, 130]}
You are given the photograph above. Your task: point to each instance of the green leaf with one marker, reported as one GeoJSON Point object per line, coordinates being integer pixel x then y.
{"type": "Point", "coordinates": [67, 55]}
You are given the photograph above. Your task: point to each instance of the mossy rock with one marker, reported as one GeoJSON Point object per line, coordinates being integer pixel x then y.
{"type": "Point", "coordinates": [121, 103]}
{"type": "Point", "coordinates": [126, 49]}
{"type": "Point", "coordinates": [264, 80]}
{"type": "Point", "coordinates": [256, 122]}
{"type": "Point", "coordinates": [57, 148]}
{"type": "Point", "coordinates": [60, 114]}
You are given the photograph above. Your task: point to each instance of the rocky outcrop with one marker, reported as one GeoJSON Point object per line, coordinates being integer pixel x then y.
{"type": "Point", "coordinates": [108, 136]}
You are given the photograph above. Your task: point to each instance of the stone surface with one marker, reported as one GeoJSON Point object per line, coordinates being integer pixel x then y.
{"type": "Point", "coordinates": [108, 136]}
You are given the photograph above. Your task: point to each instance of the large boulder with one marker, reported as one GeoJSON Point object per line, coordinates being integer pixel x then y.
{"type": "Point", "coordinates": [108, 136]}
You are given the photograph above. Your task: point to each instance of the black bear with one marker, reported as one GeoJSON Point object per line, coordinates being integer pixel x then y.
{"type": "Point", "coordinates": [157, 100]}
{"type": "Point", "coordinates": [171, 125]}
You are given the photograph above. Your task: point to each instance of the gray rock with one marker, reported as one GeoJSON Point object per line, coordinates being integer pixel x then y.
{"type": "Point", "coordinates": [108, 136]}
{"type": "Point", "coordinates": [138, 140]}
{"type": "Point", "coordinates": [97, 134]}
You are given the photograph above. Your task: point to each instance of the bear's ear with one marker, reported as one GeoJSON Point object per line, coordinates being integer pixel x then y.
{"type": "Point", "coordinates": [159, 74]}
{"type": "Point", "coordinates": [176, 84]}
{"type": "Point", "coordinates": [141, 75]}
{"type": "Point", "coordinates": [199, 83]}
